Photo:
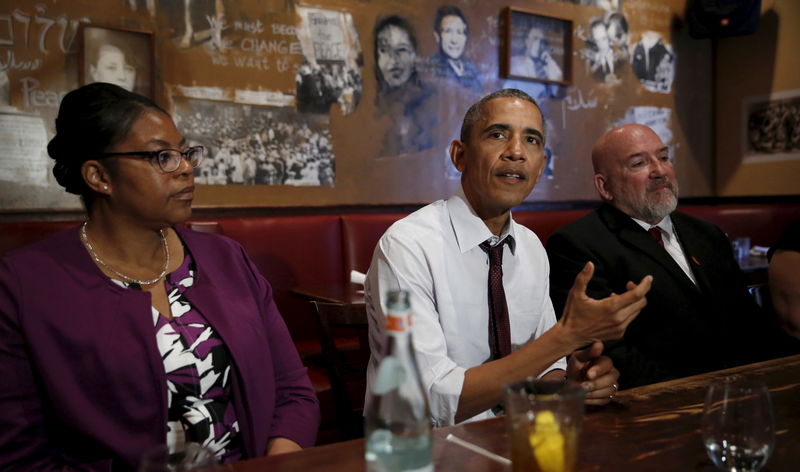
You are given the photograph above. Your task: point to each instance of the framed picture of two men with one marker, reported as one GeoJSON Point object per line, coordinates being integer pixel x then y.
{"type": "Point", "coordinates": [536, 47]}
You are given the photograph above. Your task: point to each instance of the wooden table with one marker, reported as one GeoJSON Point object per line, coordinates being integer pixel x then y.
{"type": "Point", "coordinates": [652, 428]}
{"type": "Point", "coordinates": [348, 294]}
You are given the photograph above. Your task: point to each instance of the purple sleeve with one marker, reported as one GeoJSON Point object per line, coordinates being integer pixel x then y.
{"type": "Point", "coordinates": [23, 437]}
{"type": "Point", "coordinates": [297, 415]}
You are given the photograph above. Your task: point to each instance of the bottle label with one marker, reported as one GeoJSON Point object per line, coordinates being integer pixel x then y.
{"type": "Point", "coordinates": [396, 324]}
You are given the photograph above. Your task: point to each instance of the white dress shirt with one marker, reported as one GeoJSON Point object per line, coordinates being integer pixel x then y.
{"type": "Point", "coordinates": [671, 244]}
{"type": "Point", "coordinates": [434, 253]}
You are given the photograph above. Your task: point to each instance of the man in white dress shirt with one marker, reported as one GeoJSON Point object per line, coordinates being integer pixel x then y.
{"type": "Point", "coordinates": [436, 254]}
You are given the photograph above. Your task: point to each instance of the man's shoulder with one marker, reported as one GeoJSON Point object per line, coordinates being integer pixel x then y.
{"type": "Point", "coordinates": [421, 224]}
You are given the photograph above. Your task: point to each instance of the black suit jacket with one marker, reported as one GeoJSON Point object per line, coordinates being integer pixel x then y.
{"type": "Point", "coordinates": [685, 328]}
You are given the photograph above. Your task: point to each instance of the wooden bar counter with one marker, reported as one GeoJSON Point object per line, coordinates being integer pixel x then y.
{"type": "Point", "coordinates": [652, 428]}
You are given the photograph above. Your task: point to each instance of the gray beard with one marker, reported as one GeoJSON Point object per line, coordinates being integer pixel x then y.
{"type": "Point", "coordinates": [656, 212]}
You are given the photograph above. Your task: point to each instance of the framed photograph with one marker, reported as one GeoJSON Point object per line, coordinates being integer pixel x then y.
{"type": "Point", "coordinates": [537, 47]}
{"type": "Point", "coordinates": [120, 56]}
{"type": "Point", "coordinates": [770, 128]}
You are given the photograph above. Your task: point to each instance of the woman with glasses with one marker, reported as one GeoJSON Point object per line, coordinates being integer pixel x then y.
{"type": "Point", "coordinates": [129, 331]}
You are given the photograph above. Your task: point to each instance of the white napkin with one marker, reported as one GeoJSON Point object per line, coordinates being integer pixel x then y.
{"type": "Point", "coordinates": [357, 277]}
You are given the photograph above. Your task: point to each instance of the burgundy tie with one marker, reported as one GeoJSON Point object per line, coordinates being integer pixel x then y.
{"type": "Point", "coordinates": [655, 232]}
{"type": "Point", "coordinates": [499, 327]}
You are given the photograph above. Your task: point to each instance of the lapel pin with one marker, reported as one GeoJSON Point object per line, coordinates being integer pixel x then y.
{"type": "Point", "coordinates": [696, 261]}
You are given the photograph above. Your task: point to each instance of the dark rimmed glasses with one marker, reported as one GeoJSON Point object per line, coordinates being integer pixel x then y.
{"type": "Point", "coordinates": [167, 159]}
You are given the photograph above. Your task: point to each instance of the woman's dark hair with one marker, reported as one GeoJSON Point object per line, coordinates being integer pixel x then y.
{"type": "Point", "coordinates": [90, 121]}
{"type": "Point", "coordinates": [382, 24]}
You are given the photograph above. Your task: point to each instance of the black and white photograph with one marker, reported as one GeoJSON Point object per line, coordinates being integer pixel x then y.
{"type": "Point", "coordinates": [537, 47]}
{"type": "Point", "coordinates": [324, 84]}
{"type": "Point", "coordinates": [118, 56]}
{"type": "Point", "coordinates": [772, 125]}
{"type": "Point", "coordinates": [331, 72]}
{"type": "Point", "coordinates": [659, 119]}
{"type": "Point", "coordinates": [191, 21]}
{"type": "Point", "coordinates": [256, 145]}
{"type": "Point", "coordinates": [653, 62]}
{"type": "Point", "coordinates": [451, 32]}
{"type": "Point", "coordinates": [608, 5]}
{"type": "Point", "coordinates": [606, 48]}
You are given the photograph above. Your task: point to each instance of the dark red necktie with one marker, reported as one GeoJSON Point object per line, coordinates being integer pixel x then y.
{"type": "Point", "coordinates": [499, 327]}
{"type": "Point", "coordinates": [655, 232]}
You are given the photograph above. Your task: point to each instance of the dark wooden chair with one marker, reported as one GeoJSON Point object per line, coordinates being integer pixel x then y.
{"type": "Point", "coordinates": [343, 333]}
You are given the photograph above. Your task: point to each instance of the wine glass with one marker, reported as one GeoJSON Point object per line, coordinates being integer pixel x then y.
{"type": "Point", "coordinates": [738, 426]}
{"type": "Point", "coordinates": [185, 457]}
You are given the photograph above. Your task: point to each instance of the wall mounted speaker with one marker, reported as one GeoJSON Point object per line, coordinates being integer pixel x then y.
{"type": "Point", "coordinates": [721, 18]}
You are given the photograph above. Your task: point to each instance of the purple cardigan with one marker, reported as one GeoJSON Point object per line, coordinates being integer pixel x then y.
{"type": "Point", "coordinates": [82, 384]}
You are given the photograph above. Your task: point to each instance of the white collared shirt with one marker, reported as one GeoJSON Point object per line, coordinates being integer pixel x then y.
{"type": "Point", "coordinates": [434, 253]}
{"type": "Point", "coordinates": [671, 244]}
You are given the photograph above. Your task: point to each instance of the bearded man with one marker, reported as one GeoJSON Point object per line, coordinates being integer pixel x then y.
{"type": "Point", "coordinates": [699, 316]}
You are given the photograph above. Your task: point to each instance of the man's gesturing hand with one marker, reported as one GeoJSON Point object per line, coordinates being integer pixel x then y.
{"type": "Point", "coordinates": [588, 320]}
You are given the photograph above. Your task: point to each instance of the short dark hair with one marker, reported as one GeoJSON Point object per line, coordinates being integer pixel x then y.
{"type": "Point", "coordinates": [448, 10]}
{"type": "Point", "coordinates": [90, 120]}
{"type": "Point", "coordinates": [475, 112]}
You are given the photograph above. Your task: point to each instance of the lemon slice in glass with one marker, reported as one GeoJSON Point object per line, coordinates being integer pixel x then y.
{"type": "Point", "coordinates": [547, 442]}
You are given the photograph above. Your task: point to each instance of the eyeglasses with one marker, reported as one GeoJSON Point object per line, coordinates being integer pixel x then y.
{"type": "Point", "coordinates": [168, 159]}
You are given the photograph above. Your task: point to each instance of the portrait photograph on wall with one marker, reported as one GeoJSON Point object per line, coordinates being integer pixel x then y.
{"type": "Point", "coordinates": [537, 47]}
{"type": "Point", "coordinates": [772, 127]}
{"type": "Point", "coordinates": [118, 56]}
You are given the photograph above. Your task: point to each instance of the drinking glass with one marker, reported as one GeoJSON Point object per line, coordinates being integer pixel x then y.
{"type": "Point", "coordinates": [741, 247]}
{"type": "Point", "coordinates": [738, 427]}
{"type": "Point", "coordinates": [188, 456]}
{"type": "Point", "coordinates": [544, 420]}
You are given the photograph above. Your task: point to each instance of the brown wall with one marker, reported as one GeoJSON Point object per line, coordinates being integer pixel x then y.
{"type": "Point", "coordinates": [576, 115]}
{"type": "Point", "coordinates": [754, 67]}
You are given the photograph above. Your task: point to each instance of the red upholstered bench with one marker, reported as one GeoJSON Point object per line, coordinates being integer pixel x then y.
{"type": "Point", "coordinates": [360, 235]}
{"type": "Point", "coordinates": [18, 234]}
{"type": "Point", "coordinates": [292, 251]}
{"type": "Point", "coordinates": [312, 250]}
{"type": "Point", "coordinates": [762, 223]}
